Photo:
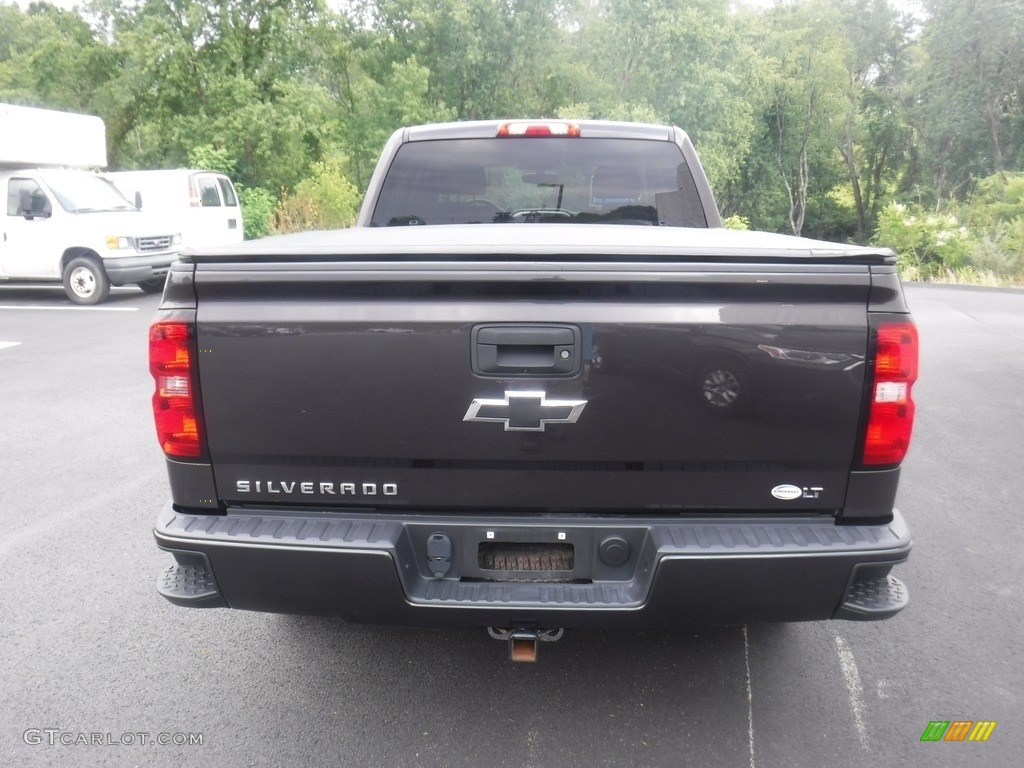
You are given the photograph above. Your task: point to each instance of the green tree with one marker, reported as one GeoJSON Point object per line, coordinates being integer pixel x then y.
{"type": "Point", "coordinates": [232, 75]}
{"type": "Point", "coordinates": [876, 136]}
{"type": "Point", "coordinates": [968, 106]}
{"type": "Point", "coordinates": [808, 115]}
{"type": "Point", "coordinates": [808, 97]}
{"type": "Point", "coordinates": [50, 57]}
{"type": "Point", "coordinates": [211, 158]}
{"type": "Point", "coordinates": [686, 62]}
{"type": "Point", "coordinates": [378, 108]}
{"type": "Point", "coordinates": [486, 58]}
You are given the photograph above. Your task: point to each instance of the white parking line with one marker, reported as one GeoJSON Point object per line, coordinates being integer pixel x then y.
{"type": "Point", "coordinates": [61, 309]}
{"type": "Point", "coordinates": [852, 678]}
{"type": "Point", "coordinates": [750, 695]}
{"type": "Point", "coordinates": [6, 344]}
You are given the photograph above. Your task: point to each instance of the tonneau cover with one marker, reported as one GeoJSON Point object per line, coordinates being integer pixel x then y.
{"type": "Point", "coordinates": [546, 242]}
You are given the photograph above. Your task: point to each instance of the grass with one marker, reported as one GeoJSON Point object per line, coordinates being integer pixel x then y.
{"type": "Point", "coordinates": [961, 276]}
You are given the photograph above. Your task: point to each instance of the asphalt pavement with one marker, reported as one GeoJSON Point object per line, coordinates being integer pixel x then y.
{"type": "Point", "coordinates": [97, 669]}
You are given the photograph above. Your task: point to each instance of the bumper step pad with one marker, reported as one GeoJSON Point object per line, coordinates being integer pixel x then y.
{"type": "Point", "coordinates": [870, 599]}
{"type": "Point", "coordinates": [190, 586]}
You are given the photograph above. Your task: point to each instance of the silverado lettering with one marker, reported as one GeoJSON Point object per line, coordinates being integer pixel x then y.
{"type": "Point", "coordinates": [311, 488]}
{"type": "Point", "coordinates": [603, 408]}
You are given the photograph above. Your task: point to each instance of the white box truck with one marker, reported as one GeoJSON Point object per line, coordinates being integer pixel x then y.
{"type": "Point", "coordinates": [64, 222]}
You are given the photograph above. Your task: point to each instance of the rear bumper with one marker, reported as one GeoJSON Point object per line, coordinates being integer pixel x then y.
{"type": "Point", "coordinates": [375, 569]}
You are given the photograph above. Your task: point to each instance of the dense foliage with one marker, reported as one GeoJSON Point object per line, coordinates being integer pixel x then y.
{"type": "Point", "coordinates": [827, 118]}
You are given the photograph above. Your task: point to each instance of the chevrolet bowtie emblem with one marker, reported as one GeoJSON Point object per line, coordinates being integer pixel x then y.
{"type": "Point", "coordinates": [525, 411]}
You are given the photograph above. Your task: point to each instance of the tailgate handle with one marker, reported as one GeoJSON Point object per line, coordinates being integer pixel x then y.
{"type": "Point", "coordinates": [526, 350]}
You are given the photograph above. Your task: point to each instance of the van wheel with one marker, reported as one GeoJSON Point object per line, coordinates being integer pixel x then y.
{"type": "Point", "coordinates": [85, 281]}
{"type": "Point", "coordinates": [156, 285]}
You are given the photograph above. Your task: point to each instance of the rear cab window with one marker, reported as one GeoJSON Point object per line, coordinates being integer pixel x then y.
{"type": "Point", "coordinates": [539, 179]}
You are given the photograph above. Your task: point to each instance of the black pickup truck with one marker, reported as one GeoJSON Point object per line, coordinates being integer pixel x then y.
{"type": "Point", "coordinates": [473, 410]}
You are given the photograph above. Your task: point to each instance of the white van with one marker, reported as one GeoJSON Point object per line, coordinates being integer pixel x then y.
{"type": "Point", "coordinates": [202, 204]}
{"type": "Point", "coordinates": [64, 223]}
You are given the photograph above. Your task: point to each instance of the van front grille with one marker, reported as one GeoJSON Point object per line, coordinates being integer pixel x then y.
{"type": "Point", "coordinates": [159, 243]}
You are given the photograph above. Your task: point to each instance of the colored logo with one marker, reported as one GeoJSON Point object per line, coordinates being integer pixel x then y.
{"type": "Point", "coordinates": [958, 730]}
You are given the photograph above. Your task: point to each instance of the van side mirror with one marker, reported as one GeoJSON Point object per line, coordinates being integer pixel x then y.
{"type": "Point", "coordinates": [33, 206]}
{"type": "Point", "coordinates": [138, 199]}
{"type": "Point", "coordinates": [25, 203]}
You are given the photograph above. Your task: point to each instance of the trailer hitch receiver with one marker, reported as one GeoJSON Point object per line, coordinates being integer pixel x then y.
{"type": "Point", "coordinates": [522, 643]}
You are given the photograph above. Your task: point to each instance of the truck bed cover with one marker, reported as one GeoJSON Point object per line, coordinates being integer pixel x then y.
{"type": "Point", "coordinates": [562, 242]}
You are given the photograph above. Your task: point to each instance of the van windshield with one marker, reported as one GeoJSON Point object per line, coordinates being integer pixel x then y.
{"type": "Point", "coordinates": [526, 180]}
{"type": "Point", "coordinates": [82, 192]}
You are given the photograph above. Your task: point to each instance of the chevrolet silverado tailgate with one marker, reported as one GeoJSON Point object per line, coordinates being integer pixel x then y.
{"type": "Point", "coordinates": [536, 385]}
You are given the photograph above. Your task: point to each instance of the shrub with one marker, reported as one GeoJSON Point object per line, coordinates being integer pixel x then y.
{"type": "Point", "coordinates": [927, 243]}
{"type": "Point", "coordinates": [257, 211]}
{"type": "Point", "coordinates": [327, 200]}
{"type": "Point", "coordinates": [995, 215]}
{"type": "Point", "coordinates": [736, 222]}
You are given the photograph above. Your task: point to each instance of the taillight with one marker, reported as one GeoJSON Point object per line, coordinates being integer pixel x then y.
{"type": "Point", "coordinates": [891, 405]}
{"type": "Point", "coordinates": [540, 128]}
{"type": "Point", "coordinates": [172, 364]}
{"type": "Point", "coordinates": [194, 200]}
